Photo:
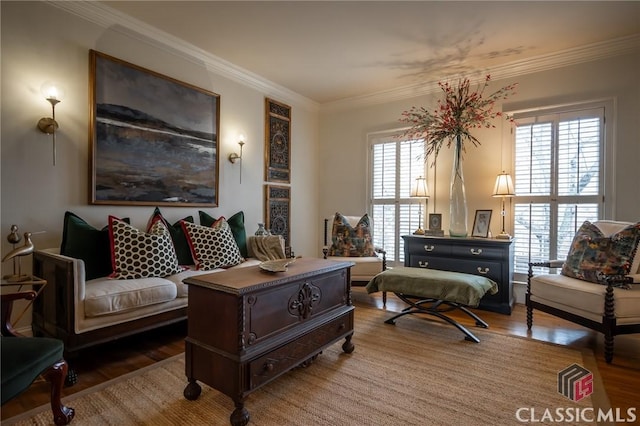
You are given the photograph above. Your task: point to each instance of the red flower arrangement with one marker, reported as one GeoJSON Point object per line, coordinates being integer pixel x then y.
{"type": "Point", "coordinates": [455, 116]}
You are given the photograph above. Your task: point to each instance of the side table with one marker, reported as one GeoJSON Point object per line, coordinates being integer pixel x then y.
{"type": "Point", "coordinates": [36, 283]}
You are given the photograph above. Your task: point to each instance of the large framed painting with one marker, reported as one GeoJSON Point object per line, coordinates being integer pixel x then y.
{"type": "Point", "coordinates": [278, 211]}
{"type": "Point", "coordinates": [277, 142]}
{"type": "Point", "coordinates": [154, 139]}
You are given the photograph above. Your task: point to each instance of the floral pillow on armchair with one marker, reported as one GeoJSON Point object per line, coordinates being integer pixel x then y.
{"type": "Point", "coordinates": [594, 257]}
{"type": "Point", "coordinates": [351, 241]}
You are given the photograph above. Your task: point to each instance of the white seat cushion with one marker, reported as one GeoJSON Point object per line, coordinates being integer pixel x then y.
{"type": "Point", "coordinates": [585, 298]}
{"type": "Point", "coordinates": [364, 269]}
{"type": "Point", "coordinates": [105, 296]}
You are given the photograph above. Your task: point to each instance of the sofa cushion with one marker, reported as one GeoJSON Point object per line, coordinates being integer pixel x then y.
{"type": "Point", "coordinates": [104, 296]}
{"type": "Point", "coordinates": [212, 247]}
{"type": "Point", "coordinates": [349, 240]}
{"type": "Point", "coordinates": [236, 222]}
{"type": "Point", "coordinates": [594, 256]}
{"type": "Point", "coordinates": [82, 241]}
{"type": "Point", "coordinates": [180, 243]}
{"type": "Point", "coordinates": [137, 254]}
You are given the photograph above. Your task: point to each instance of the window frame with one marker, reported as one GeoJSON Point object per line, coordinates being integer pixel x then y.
{"type": "Point", "coordinates": [605, 199]}
{"type": "Point", "coordinates": [395, 256]}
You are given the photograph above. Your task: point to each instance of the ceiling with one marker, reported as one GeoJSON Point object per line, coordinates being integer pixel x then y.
{"type": "Point", "coordinates": [329, 51]}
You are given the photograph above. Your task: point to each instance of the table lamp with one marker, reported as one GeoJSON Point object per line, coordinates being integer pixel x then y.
{"type": "Point", "coordinates": [504, 189]}
{"type": "Point", "coordinates": [419, 190]}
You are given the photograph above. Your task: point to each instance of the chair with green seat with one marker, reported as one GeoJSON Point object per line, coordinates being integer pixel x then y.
{"type": "Point", "coordinates": [26, 358]}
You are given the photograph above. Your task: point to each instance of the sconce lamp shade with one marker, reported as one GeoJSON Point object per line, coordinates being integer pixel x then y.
{"type": "Point", "coordinates": [52, 91]}
{"type": "Point", "coordinates": [504, 186]}
{"type": "Point", "coordinates": [420, 189]}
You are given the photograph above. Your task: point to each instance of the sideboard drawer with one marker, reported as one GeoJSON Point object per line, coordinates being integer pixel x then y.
{"type": "Point", "coordinates": [491, 270]}
{"type": "Point", "coordinates": [429, 247]}
{"type": "Point", "coordinates": [431, 262]}
{"type": "Point", "coordinates": [278, 361]}
{"type": "Point", "coordinates": [476, 251]}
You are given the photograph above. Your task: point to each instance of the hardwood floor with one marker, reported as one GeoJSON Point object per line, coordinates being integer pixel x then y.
{"type": "Point", "coordinates": [97, 365]}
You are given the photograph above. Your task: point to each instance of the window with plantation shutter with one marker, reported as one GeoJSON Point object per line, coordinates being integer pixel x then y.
{"type": "Point", "coordinates": [394, 166]}
{"type": "Point", "coordinates": [559, 180]}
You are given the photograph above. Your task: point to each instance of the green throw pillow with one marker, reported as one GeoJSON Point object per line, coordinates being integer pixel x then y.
{"type": "Point", "coordinates": [594, 256]}
{"type": "Point", "coordinates": [236, 222]}
{"type": "Point", "coordinates": [82, 241]}
{"type": "Point", "coordinates": [178, 237]}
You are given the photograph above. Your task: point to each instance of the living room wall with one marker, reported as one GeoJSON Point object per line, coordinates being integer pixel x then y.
{"type": "Point", "coordinates": [41, 42]}
{"type": "Point", "coordinates": [344, 146]}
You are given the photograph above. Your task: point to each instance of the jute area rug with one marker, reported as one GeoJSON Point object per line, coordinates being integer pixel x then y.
{"type": "Point", "coordinates": [417, 372]}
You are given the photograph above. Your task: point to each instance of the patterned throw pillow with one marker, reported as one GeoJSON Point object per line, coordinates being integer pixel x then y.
{"type": "Point", "coordinates": [137, 254]}
{"type": "Point", "coordinates": [351, 241]}
{"type": "Point", "coordinates": [180, 243]}
{"type": "Point", "coordinates": [236, 222]}
{"type": "Point", "coordinates": [593, 256]}
{"type": "Point", "coordinates": [212, 247]}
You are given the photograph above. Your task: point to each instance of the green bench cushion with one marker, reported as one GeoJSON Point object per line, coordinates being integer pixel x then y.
{"type": "Point", "coordinates": [24, 359]}
{"type": "Point", "coordinates": [465, 289]}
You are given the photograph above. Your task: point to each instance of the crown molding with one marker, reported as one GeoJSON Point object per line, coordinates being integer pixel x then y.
{"type": "Point", "coordinates": [563, 58]}
{"type": "Point", "coordinates": [107, 17]}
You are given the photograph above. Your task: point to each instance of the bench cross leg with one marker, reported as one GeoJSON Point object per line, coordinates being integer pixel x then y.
{"type": "Point", "coordinates": [434, 307]}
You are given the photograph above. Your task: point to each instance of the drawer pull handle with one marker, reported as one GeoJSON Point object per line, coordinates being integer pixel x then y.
{"type": "Point", "coordinates": [268, 366]}
{"type": "Point", "coordinates": [429, 248]}
{"type": "Point", "coordinates": [475, 251]}
{"type": "Point", "coordinates": [423, 264]}
{"type": "Point", "coordinates": [342, 326]}
{"type": "Point", "coordinates": [482, 271]}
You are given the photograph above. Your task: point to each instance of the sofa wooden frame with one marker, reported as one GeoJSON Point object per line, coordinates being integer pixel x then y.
{"type": "Point", "coordinates": [54, 310]}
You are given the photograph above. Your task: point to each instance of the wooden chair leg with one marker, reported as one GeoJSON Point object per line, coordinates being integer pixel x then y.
{"type": "Point", "coordinates": [608, 346]}
{"type": "Point", "coordinates": [56, 375]}
{"type": "Point", "coordinates": [384, 298]}
{"type": "Point", "coordinates": [529, 317]}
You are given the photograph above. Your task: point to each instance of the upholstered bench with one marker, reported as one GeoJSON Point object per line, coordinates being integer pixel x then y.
{"type": "Point", "coordinates": [435, 292]}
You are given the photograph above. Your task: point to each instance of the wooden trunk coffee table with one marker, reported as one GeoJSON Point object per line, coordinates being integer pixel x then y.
{"type": "Point", "coordinates": [248, 326]}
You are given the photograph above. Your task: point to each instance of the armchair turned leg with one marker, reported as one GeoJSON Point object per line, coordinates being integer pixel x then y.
{"type": "Point", "coordinates": [608, 347]}
{"type": "Point", "coordinates": [56, 375]}
{"type": "Point", "coordinates": [529, 317]}
{"type": "Point", "coordinates": [384, 298]}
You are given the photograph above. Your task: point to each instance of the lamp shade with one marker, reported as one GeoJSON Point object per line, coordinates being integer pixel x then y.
{"type": "Point", "coordinates": [504, 186]}
{"type": "Point", "coordinates": [52, 90]}
{"type": "Point", "coordinates": [420, 189]}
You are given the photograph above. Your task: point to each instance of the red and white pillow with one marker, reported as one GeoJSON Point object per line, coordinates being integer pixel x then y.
{"type": "Point", "coordinates": [138, 254]}
{"type": "Point", "coordinates": [212, 247]}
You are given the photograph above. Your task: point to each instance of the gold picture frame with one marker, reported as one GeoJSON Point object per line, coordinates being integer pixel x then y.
{"type": "Point", "coordinates": [154, 140]}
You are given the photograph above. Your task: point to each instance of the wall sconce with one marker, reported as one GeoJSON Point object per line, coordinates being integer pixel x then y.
{"type": "Point", "coordinates": [54, 94]}
{"type": "Point", "coordinates": [504, 189]}
{"type": "Point", "coordinates": [420, 190]}
{"type": "Point", "coordinates": [233, 156]}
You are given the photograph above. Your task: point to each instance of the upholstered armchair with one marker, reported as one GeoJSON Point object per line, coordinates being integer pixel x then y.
{"type": "Point", "coordinates": [598, 285]}
{"type": "Point", "coordinates": [350, 238]}
{"type": "Point", "coordinates": [26, 358]}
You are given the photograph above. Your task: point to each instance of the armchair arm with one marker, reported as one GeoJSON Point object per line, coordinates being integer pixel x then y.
{"type": "Point", "coordinates": [6, 328]}
{"type": "Point", "coordinates": [383, 252]}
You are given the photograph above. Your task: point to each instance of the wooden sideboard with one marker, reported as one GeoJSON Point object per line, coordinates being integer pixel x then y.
{"type": "Point", "coordinates": [492, 258]}
{"type": "Point", "coordinates": [248, 326]}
